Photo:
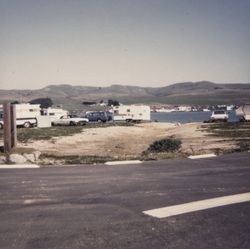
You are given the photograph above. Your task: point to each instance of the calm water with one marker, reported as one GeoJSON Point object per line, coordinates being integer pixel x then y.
{"type": "Point", "coordinates": [187, 117]}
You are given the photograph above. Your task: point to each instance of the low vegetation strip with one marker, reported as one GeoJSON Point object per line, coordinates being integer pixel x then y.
{"type": "Point", "coordinates": [229, 130]}
{"type": "Point", "coordinates": [24, 135]}
{"type": "Point", "coordinates": [74, 159]}
{"type": "Point", "coordinates": [237, 133]}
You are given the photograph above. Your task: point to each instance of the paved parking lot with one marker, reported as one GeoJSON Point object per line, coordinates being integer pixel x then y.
{"type": "Point", "coordinates": [102, 206]}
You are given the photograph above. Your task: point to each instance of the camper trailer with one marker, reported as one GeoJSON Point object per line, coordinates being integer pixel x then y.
{"type": "Point", "coordinates": [243, 112]}
{"type": "Point", "coordinates": [26, 115]}
{"type": "Point", "coordinates": [131, 113]}
{"type": "Point", "coordinates": [54, 113]}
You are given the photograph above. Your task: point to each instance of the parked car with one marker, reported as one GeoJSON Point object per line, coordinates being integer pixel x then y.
{"type": "Point", "coordinates": [70, 120]}
{"type": "Point", "coordinates": [99, 116]}
{"type": "Point", "coordinates": [219, 115]}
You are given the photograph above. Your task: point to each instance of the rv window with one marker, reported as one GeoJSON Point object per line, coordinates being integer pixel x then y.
{"type": "Point", "coordinates": [128, 110]}
{"type": "Point", "coordinates": [116, 112]}
{"type": "Point", "coordinates": [52, 114]}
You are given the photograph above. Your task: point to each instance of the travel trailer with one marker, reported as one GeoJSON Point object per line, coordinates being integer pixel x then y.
{"type": "Point", "coordinates": [54, 113]}
{"type": "Point", "coordinates": [26, 115]}
{"type": "Point", "coordinates": [131, 113]}
{"type": "Point", "coordinates": [243, 112]}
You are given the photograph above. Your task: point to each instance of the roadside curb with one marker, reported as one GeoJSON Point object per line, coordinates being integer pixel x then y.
{"type": "Point", "coordinates": [123, 162]}
{"type": "Point", "coordinates": [202, 156]}
{"type": "Point", "coordinates": [19, 166]}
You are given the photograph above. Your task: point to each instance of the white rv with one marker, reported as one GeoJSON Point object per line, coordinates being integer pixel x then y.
{"type": "Point", "coordinates": [26, 115]}
{"type": "Point", "coordinates": [243, 112]}
{"type": "Point", "coordinates": [55, 113]}
{"type": "Point", "coordinates": [131, 113]}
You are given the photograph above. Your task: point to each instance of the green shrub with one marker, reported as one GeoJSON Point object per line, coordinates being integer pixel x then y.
{"type": "Point", "coordinates": [165, 145]}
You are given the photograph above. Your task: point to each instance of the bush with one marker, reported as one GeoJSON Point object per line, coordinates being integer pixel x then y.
{"type": "Point", "coordinates": [165, 145]}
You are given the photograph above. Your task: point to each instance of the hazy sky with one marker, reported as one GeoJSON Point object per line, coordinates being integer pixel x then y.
{"type": "Point", "coordinates": [134, 42]}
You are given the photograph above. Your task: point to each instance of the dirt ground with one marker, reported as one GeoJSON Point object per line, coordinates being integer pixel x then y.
{"type": "Point", "coordinates": [120, 141]}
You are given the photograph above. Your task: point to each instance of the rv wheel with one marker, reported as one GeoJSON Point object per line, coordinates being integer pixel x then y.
{"type": "Point", "coordinates": [26, 125]}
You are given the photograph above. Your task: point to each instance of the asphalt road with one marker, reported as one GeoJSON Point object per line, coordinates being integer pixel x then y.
{"type": "Point", "coordinates": [101, 206]}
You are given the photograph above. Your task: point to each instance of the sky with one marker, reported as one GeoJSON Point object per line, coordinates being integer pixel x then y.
{"type": "Point", "coordinates": [127, 42]}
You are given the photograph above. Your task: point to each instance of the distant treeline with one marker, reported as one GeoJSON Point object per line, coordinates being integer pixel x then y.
{"type": "Point", "coordinates": [43, 102]}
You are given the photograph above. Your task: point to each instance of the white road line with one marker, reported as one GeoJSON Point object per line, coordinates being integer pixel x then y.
{"type": "Point", "coordinates": [202, 156]}
{"type": "Point", "coordinates": [32, 201]}
{"type": "Point", "coordinates": [123, 162]}
{"type": "Point", "coordinates": [19, 166]}
{"type": "Point", "coordinates": [198, 205]}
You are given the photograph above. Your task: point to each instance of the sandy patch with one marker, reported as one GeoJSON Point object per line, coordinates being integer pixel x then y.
{"type": "Point", "coordinates": [120, 141]}
{"type": "Point", "coordinates": [109, 141]}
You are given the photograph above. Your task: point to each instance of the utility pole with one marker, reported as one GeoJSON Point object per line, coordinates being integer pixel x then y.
{"type": "Point", "coordinates": [9, 127]}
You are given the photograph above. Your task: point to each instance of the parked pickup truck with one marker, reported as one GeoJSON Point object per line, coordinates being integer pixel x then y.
{"type": "Point", "coordinates": [70, 120]}
{"type": "Point", "coordinates": [219, 115]}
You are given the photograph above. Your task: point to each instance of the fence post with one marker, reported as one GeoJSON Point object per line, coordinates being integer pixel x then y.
{"type": "Point", "coordinates": [9, 127]}
{"type": "Point", "coordinates": [13, 126]}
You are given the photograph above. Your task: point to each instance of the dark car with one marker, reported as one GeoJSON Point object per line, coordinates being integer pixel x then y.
{"type": "Point", "coordinates": [99, 116]}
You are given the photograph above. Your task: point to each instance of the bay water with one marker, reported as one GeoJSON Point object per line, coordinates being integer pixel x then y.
{"type": "Point", "coordinates": [187, 117]}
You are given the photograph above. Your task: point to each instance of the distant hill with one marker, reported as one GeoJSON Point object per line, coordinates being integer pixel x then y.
{"type": "Point", "coordinates": [203, 92]}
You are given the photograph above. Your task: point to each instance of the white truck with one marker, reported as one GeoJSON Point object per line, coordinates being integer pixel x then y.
{"type": "Point", "coordinates": [219, 115]}
{"type": "Point", "coordinates": [26, 115]}
{"type": "Point", "coordinates": [70, 120]}
{"type": "Point", "coordinates": [243, 112]}
{"type": "Point", "coordinates": [131, 113]}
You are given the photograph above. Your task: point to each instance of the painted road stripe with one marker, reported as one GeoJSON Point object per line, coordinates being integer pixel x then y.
{"type": "Point", "coordinates": [202, 156]}
{"type": "Point", "coordinates": [19, 166]}
{"type": "Point", "coordinates": [198, 205]}
{"type": "Point", "coordinates": [123, 162]}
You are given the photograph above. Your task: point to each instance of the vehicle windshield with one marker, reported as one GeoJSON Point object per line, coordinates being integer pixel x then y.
{"type": "Point", "coordinates": [219, 112]}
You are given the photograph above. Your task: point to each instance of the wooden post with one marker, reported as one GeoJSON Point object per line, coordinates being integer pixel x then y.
{"type": "Point", "coordinates": [13, 126]}
{"type": "Point", "coordinates": [7, 127]}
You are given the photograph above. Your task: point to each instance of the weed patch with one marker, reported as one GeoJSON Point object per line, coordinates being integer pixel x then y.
{"type": "Point", "coordinates": [24, 135]}
{"type": "Point", "coordinates": [237, 133]}
{"type": "Point", "coordinates": [165, 145]}
{"type": "Point", "coordinates": [162, 156]}
{"type": "Point", "coordinates": [228, 130]}
{"type": "Point", "coordinates": [74, 159]}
